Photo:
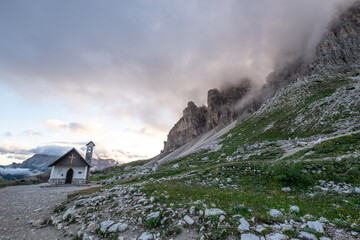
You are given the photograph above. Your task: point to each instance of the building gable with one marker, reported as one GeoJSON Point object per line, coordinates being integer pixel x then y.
{"type": "Point", "coordinates": [71, 158]}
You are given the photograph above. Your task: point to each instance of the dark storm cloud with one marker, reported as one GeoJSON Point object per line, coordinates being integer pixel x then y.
{"type": "Point", "coordinates": [146, 59]}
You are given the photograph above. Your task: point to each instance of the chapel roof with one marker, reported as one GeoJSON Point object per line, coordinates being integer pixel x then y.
{"type": "Point", "coordinates": [63, 156]}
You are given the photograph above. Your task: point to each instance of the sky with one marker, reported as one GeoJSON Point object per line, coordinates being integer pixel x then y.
{"type": "Point", "coordinates": [120, 72]}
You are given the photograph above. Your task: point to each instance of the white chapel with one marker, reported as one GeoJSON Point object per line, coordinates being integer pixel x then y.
{"type": "Point", "coordinates": [72, 168]}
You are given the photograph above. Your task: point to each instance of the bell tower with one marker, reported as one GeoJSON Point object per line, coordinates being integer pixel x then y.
{"type": "Point", "coordinates": [89, 151]}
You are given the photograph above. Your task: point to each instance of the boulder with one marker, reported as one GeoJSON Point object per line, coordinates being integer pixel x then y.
{"type": "Point", "coordinates": [294, 209]}
{"type": "Point", "coordinates": [118, 227]}
{"type": "Point", "coordinates": [276, 236]}
{"type": "Point", "coordinates": [153, 215]}
{"type": "Point", "coordinates": [189, 220]}
{"type": "Point", "coordinates": [38, 223]}
{"type": "Point", "coordinates": [249, 236]}
{"type": "Point", "coordinates": [105, 225]}
{"type": "Point", "coordinates": [316, 225]}
{"type": "Point", "coordinates": [175, 166]}
{"type": "Point", "coordinates": [244, 225]}
{"type": "Point", "coordinates": [192, 210]}
{"type": "Point", "coordinates": [286, 189]}
{"type": "Point", "coordinates": [146, 236]}
{"type": "Point", "coordinates": [214, 212]}
{"type": "Point", "coordinates": [69, 212]}
{"type": "Point", "coordinates": [308, 236]}
{"type": "Point", "coordinates": [276, 213]}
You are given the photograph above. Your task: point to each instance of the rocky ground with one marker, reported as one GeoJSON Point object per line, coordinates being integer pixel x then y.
{"type": "Point", "coordinates": [126, 212]}
{"type": "Point", "coordinates": [25, 209]}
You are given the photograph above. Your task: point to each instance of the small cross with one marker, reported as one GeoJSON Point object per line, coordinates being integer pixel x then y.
{"type": "Point", "coordinates": [71, 158]}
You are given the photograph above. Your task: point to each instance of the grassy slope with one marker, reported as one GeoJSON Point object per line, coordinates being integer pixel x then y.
{"type": "Point", "coordinates": [256, 181]}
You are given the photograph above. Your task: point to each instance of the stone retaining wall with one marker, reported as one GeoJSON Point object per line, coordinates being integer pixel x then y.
{"type": "Point", "coordinates": [59, 181]}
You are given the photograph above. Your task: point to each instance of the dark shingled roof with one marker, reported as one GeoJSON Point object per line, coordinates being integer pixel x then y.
{"type": "Point", "coordinates": [63, 156]}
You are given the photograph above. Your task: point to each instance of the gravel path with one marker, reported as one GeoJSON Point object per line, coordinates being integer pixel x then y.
{"type": "Point", "coordinates": [21, 204]}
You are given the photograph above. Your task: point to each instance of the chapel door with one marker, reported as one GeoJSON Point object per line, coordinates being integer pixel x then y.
{"type": "Point", "coordinates": [69, 176]}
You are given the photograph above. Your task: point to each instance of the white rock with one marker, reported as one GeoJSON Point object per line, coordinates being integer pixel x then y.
{"type": "Point", "coordinates": [152, 199]}
{"type": "Point", "coordinates": [38, 223]}
{"type": "Point", "coordinates": [307, 235]}
{"type": "Point", "coordinates": [221, 219]}
{"type": "Point", "coordinates": [146, 236]}
{"type": "Point", "coordinates": [286, 227]}
{"type": "Point", "coordinates": [275, 213]}
{"type": "Point", "coordinates": [317, 226]}
{"type": "Point", "coordinates": [357, 190]}
{"type": "Point", "coordinates": [192, 210]}
{"type": "Point", "coordinates": [114, 228]}
{"type": "Point", "coordinates": [244, 225]}
{"type": "Point", "coordinates": [249, 236]}
{"type": "Point", "coordinates": [260, 228]}
{"type": "Point", "coordinates": [153, 215]}
{"type": "Point", "coordinates": [175, 165]}
{"type": "Point", "coordinates": [59, 226]}
{"type": "Point", "coordinates": [68, 212]}
{"type": "Point", "coordinates": [91, 227]}
{"type": "Point", "coordinates": [353, 233]}
{"type": "Point", "coordinates": [104, 225]}
{"type": "Point", "coordinates": [201, 212]}
{"type": "Point", "coordinates": [294, 209]}
{"type": "Point", "coordinates": [308, 216]}
{"type": "Point", "coordinates": [214, 212]}
{"type": "Point", "coordinates": [118, 227]}
{"type": "Point", "coordinates": [127, 168]}
{"type": "Point", "coordinates": [323, 220]}
{"type": "Point", "coordinates": [286, 189]}
{"type": "Point", "coordinates": [188, 220]}
{"type": "Point", "coordinates": [276, 236]}
{"type": "Point", "coordinates": [229, 180]}
{"type": "Point", "coordinates": [122, 227]}
{"type": "Point", "coordinates": [324, 238]}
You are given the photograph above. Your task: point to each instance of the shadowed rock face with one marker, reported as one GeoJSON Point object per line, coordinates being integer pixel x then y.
{"type": "Point", "coordinates": [337, 53]}
{"type": "Point", "coordinates": [198, 120]}
{"type": "Point", "coordinates": [339, 49]}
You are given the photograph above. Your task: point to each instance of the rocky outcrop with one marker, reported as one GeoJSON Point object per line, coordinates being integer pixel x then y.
{"type": "Point", "coordinates": [339, 50]}
{"type": "Point", "coordinates": [221, 110]}
{"type": "Point", "coordinates": [337, 53]}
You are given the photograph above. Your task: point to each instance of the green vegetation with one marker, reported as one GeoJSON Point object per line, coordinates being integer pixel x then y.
{"type": "Point", "coordinates": [331, 148]}
{"type": "Point", "coordinates": [246, 176]}
{"type": "Point", "coordinates": [110, 172]}
{"type": "Point", "coordinates": [59, 208]}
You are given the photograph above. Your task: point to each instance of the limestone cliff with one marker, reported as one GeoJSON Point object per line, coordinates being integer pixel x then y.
{"type": "Point", "coordinates": [337, 53]}
{"type": "Point", "coordinates": [220, 111]}
{"type": "Point", "coordinates": [339, 50]}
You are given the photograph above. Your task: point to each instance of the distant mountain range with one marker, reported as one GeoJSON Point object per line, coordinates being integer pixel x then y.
{"type": "Point", "coordinates": [39, 163]}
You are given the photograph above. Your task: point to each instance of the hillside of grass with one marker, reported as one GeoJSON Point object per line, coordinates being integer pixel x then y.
{"type": "Point", "coordinates": [300, 149]}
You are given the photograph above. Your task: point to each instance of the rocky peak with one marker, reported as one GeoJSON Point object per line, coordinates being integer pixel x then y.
{"type": "Point", "coordinates": [337, 53]}
{"type": "Point", "coordinates": [339, 50]}
{"type": "Point", "coordinates": [198, 120]}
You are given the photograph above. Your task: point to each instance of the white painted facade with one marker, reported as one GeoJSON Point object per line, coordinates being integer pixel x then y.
{"type": "Point", "coordinates": [60, 172]}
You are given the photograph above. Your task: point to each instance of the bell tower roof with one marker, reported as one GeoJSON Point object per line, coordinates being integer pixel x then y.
{"type": "Point", "coordinates": [91, 144]}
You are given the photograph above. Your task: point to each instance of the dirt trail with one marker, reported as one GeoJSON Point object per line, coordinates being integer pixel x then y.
{"type": "Point", "coordinates": [21, 204]}
{"type": "Point", "coordinates": [310, 142]}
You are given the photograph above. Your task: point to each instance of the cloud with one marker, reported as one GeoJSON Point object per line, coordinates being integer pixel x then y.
{"type": "Point", "coordinates": [145, 59]}
{"type": "Point", "coordinates": [74, 127]}
{"type": "Point", "coordinates": [59, 148]}
{"type": "Point", "coordinates": [17, 171]}
{"type": "Point", "coordinates": [51, 150]}
{"type": "Point", "coordinates": [7, 148]}
{"type": "Point", "coordinates": [7, 134]}
{"type": "Point", "coordinates": [32, 133]}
